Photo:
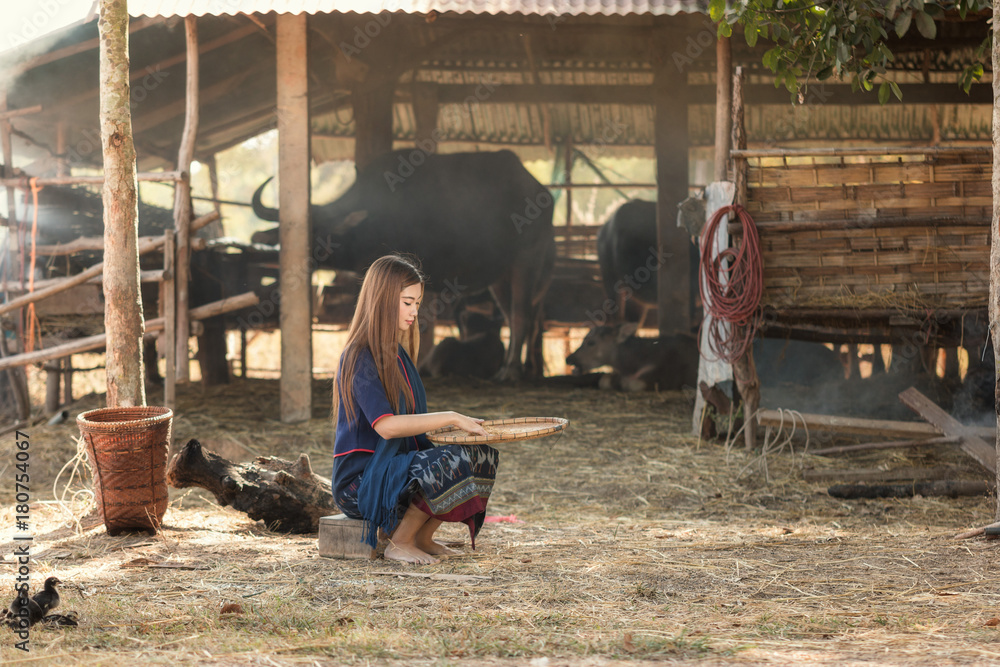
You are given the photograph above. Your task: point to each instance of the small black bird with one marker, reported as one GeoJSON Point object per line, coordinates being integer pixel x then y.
{"type": "Point", "coordinates": [48, 599]}
{"type": "Point", "coordinates": [15, 613]}
{"type": "Point", "coordinates": [70, 619]}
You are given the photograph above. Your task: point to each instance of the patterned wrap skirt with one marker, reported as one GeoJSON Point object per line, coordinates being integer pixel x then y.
{"type": "Point", "coordinates": [449, 482]}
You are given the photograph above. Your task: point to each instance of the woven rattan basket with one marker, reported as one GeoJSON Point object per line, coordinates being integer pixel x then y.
{"type": "Point", "coordinates": [127, 450]}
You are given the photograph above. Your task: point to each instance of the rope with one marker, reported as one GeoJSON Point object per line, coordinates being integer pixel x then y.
{"type": "Point", "coordinates": [731, 287]}
{"type": "Point", "coordinates": [32, 318]}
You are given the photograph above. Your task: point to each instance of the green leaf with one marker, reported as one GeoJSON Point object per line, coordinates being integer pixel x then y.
{"type": "Point", "coordinates": [770, 59]}
{"type": "Point", "coordinates": [926, 25]}
{"type": "Point", "coordinates": [918, 5]}
{"type": "Point", "coordinates": [890, 11]}
{"type": "Point", "coordinates": [902, 23]}
{"type": "Point", "coordinates": [751, 37]}
{"type": "Point", "coordinates": [883, 93]}
{"type": "Point", "coordinates": [716, 10]}
{"type": "Point", "coordinates": [825, 73]}
{"type": "Point", "coordinates": [725, 30]}
{"type": "Point", "coordinates": [896, 91]}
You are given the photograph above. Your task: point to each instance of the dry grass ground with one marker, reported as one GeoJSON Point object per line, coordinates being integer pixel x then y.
{"type": "Point", "coordinates": [634, 543]}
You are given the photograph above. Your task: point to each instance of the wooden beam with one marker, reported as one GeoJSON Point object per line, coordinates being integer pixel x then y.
{"type": "Point", "coordinates": [81, 47]}
{"type": "Point", "coordinates": [699, 94]}
{"type": "Point", "coordinates": [25, 182]}
{"type": "Point", "coordinates": [71, 281]}
{"type": "Point", "coordinates": [16, 113]}
{"type": "Point", "coordinates": [970, 442]}
{"type": "Point", "coordinates": [858, 426]}
{"type": "Point", "coordinates": [182, 201]}
{"type": "Point", "coordinates": [293, 224]}
{"type": "Point", "coordinates": [98, 341]}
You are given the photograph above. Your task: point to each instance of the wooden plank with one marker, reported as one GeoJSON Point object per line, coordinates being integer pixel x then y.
{"type": "Point", "coordinates": [293, 213]}
{"type": "Point", "coordinates": [859, 426]}
{"type": "Point", "coordinates": [970, 443]}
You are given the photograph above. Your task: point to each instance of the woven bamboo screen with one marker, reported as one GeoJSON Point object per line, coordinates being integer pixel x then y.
{"type": "Point", "coordinates": [840, 229]}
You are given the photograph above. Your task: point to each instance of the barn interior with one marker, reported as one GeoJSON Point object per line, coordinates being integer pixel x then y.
{"type": "Point", "coordinates": [570, 87]}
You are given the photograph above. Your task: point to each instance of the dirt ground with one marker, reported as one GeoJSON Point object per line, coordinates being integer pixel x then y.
{"type": "Point", "coordinates": [622, 541]}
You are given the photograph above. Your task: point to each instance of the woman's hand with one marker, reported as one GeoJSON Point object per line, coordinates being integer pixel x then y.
{"type": "Point", "coordinates": [469, 424]}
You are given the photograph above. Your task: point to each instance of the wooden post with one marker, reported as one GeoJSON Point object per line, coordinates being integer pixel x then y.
{"type": "Point", "coordinates": [182, 201]}
{"type": "Point", "coordinates": [744, 369]}
{"type": "Point", "coordinates": [568, 178]}
{"type": "Point", "coordinates": [123, 301]}
{"type": "Point", "coordinates": [68, 380]}
{"type": "Point", "coordinates": [62, 162]}
{"type": "Point", "coordinates": [712, 371]}
{"type": "Point", "coordinates": [994, 296]}
{"type": "Point", "coordinates": [170, 320]}
{"type": "Point", "coordinates": [723, 107]}
{"type": "Point", "coordinates": [216, 230]}
{"type": "Point", "coordinates": [425, 116]}
{"type": "Point", "coordinates": [16, 377]}
{"type": "Point", "coordinates": [52, 386]}
{"type": "Point", "coordinates": [293, 227]}
{"type": "Point", "coordinates": [372, 121]}
{"type": "Point", "coordinates": [674, 297]}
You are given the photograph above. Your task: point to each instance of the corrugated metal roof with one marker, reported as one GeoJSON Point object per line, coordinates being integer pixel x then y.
{"type": "Point", "coordinates": [543, 7]}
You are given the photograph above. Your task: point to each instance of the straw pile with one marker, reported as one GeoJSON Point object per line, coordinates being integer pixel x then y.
{"type": "Point", "coordinates": [624, 539]}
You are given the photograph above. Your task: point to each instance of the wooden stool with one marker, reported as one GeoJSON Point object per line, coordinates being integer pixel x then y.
{"type": "Point", "coordinates": [340, 537]}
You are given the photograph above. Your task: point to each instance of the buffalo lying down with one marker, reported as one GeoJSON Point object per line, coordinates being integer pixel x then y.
{"type": "Point", "coordinates": [475, 221]}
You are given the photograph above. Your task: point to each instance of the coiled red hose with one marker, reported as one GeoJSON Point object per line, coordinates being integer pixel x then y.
{"type": "Point", "coordinates": [731, 286]}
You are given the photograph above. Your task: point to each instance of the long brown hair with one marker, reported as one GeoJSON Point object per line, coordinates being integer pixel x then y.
{"type": "Point", "coordinates": [375, 326]}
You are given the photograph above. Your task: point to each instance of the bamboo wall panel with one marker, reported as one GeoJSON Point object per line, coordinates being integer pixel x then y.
{"type": "Point", "coordinates": [873, 231]}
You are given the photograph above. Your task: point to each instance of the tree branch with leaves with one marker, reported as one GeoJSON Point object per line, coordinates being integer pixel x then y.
{"type": "Point", "coordinates": [846, 39]}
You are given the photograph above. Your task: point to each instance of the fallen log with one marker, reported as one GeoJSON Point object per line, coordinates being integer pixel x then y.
{"type": "Point", "coordinates": [950, 488]}
{"type": "Point", "coordinates": [872, 475]}
{"type": "Point", "coordinates": [286, 495]}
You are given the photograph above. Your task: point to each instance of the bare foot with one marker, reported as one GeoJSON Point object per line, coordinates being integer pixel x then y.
{"type": "Point", "coordinates": [409, 553]}
{"type": "Point", "coordinates": [436, 548]}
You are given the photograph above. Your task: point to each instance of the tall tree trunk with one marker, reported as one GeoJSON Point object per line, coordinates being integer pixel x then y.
{"type": "Point", "coordinates": [994, 229]}
{"type": "Point", "coordinates": [123, 301]}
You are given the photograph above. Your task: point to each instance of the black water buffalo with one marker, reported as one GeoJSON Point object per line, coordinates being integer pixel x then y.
{"type": "Point", "coordinates": [665, 363]}
{"type": "Point", "coordinates": [625, 244]}
{"type": "Point", "coordinates": [474, 220]}
{"type": "Point", "coordinates": [478, 353]}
